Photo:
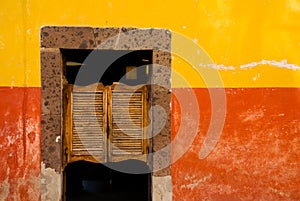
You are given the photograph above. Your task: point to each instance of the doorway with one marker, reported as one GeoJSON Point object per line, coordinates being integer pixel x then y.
{"type": "Point", "coordinates": [92, 147]}
{"type": "Point", "coordinates": [55, 41]}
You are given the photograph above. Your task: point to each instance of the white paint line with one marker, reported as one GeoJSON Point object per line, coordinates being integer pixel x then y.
{"type": "Point", "coordinates": [279, 64]}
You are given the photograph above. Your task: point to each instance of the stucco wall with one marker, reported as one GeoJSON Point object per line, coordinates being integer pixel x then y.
{"type": "Point", "coordinates": [249, 49]}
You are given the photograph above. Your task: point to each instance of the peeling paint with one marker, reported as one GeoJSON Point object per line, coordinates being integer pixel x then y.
{"type": "Point", "coordinates": [194, 182]}
{"type": "Point", "coordinates": [258, 149]}
{"type": "Point", "coordinates": [256, 77]}
{"type": "Point", "coordinates": [206, 178]}
{"type": "Point", "coordinates": [27, 188]}
{"type": "Point", "coordinates": [218, 66]}
{"type": "Point", "coordinates": [162, 188]}
{"type": "Point", "coordinates": [190, 186]}
{"type": "Point", "coordinates": [252, 115]}
{"type": "Point", "coordinates": [283, 194]}
{"type": "Point", "coordinates": [4, 187]}
{"type": "Point", "coordinates": [51, 183]}
{"type": "Point", "coordinates": [279, 64]}
{"type": "Point", "coordinates": [57, 139]}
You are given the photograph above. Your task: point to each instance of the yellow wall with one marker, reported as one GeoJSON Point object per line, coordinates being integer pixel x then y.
{"type": "Point", "coordinates": [232, 32]}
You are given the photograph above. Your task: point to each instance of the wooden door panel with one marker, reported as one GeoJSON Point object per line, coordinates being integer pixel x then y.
{"type": "Point", "coordinates": [106, 124]}
{"type": "Point", "coordinates": [127, 114]}
{"type": "Point", "coordinates": [88, 123]}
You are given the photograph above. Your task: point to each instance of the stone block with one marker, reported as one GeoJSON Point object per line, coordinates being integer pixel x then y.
{"type": "Point", "coordinates": [67, 37]}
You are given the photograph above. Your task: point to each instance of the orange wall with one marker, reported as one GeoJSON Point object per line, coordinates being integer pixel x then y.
{"type": "Point", "coordinates": [256, 157]}
{"type": "Point", "coordinates": [20, 143]}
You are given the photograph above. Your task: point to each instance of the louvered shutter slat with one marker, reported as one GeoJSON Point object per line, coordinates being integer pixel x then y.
{"type": "Point", "coordinates": [88, 118]}
{"type": "Point", "coordinates": [127, 122]}
{"type": "Point", "coordinates": [116, 113]}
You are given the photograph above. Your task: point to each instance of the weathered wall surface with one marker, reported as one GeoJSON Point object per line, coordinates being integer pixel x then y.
{"type": "Point", "coordinates": [255, 48]}
{"type": "Point", "coordinates": [257, 155]}
{"type": "Point", "coordinates": [20, 143]}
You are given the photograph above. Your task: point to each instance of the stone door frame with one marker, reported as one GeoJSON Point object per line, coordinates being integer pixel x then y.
{"type": "Point", "coordinates": [55, 38]}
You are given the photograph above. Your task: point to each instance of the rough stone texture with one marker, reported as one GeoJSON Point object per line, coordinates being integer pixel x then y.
{"type": "Point", "coordinates": [51, 71]}
{"type": "Point", "coordinates": [107, 36]}
{"type": "Point", "coordinates": [161, 76]}
{"type": "Point", "coordinates": [161, 96]}
{"type": "Point", "coordinates": [134, 39]}
{"type": "Point", "coordinates": [50, 184]}
{"type": "Point", "coordinates": [162, 57]}
{"type": "Point", "coordinates": [161, 131]}
{"type": "Point", "coordinates": [67, 37]}
{"type": "Point", "coordinates": [162, 188]}
{"type": "Point", "coordinates": [51, 141]}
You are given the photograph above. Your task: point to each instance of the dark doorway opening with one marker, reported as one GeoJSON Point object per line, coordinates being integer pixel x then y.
{"type": "Point", "coordinates": [130, 67]}
{"type": "Point", "coordinates": [88, 181]}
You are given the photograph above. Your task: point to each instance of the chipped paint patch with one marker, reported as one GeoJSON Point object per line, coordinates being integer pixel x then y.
{"type": "Point", "coordinates": [190, 186]}
{"type": "Point", "coordinates": [4, 187]}
{"type": "Point", "coordinates": [51, 184]}
{"type": "Point", "coordinates": [279, 64]}
{"type": "Point", "coordinates": [281, 193]}
{"type": "Point", "coordinates": [256, 77]}
{"type": "Point", "coordinates": [57, 139]}
{"type": "Point", "coordinates": [162, 188]}
{"type": "Point", "coordinates": [194, 182]}
{"type": "Point", "coordinates": [252, 115]}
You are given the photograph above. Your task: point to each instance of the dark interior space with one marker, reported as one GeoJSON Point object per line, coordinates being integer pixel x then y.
{"type": "Point", "coordinates": [84, 67]}
{"type": "Point", "coordinates": [90, 182]}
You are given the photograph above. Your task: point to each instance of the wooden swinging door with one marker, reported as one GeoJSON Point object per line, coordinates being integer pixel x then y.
{"type": "Point", "coordinates": [106, 123]}
{"type": "Point", "coordinates": [127, 123]}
